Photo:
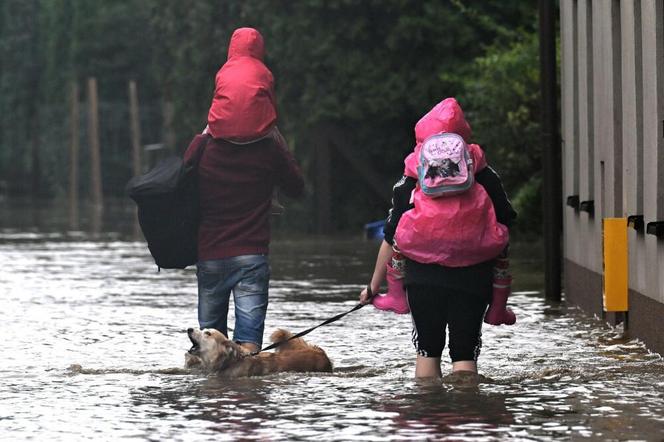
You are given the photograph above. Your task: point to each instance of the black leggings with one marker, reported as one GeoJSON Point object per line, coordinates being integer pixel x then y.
{"type": "Point", "coordinates": [434, 308]}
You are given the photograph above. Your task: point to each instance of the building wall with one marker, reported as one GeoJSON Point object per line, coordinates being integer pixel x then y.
{"type": "Point", "coordinates": [612, 104]}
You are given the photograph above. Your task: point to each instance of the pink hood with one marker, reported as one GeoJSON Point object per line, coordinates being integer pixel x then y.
{"type": "Point", "coordinates": [243, 108]}
{"type": "Point", "coordinates": [446, 116]}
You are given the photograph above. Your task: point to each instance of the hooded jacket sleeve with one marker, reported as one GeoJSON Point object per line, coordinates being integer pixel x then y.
{"type": "Point", "coordinates": [289, 176]}
{"type": "Point", "coordinates": [400, 203]}
{"type": "Point", "coordinates": [490, 180]}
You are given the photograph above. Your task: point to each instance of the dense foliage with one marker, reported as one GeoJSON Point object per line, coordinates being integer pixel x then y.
{"type": "Point", "coordinates": [367, 68]}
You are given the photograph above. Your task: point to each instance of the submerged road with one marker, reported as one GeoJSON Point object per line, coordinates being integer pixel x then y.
{"type": "Point", "coordinates": [97, 301]}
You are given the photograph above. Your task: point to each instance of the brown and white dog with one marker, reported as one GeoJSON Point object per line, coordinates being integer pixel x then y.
{"type": "Point", "coordinates": [213, 352]}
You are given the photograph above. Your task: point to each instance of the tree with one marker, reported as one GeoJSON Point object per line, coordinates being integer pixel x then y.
{"type": "Point", "coordinates": [369, 68]}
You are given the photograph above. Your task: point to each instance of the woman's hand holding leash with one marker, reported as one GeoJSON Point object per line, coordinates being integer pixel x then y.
{"type": "Point", "coordinates": [366, 295]}
{"type": "Point", "coordinates": [384, 255]}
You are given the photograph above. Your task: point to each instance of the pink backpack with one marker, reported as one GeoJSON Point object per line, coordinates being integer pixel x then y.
{"type": "Point", "coordinates": [445, 165]}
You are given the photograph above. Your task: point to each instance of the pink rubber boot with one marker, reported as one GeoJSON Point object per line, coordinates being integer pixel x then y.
{"type": "Point", "coordinates": [498, 312]}
{"type": "Point", "coordinates": [395, 299]}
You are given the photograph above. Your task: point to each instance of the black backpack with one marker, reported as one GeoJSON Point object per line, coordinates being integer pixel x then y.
{"type": "Point", "coordinates": [168, 209]}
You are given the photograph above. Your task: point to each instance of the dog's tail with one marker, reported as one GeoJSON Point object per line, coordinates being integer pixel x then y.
{"type": "Point", "coordinates": [281, 335]}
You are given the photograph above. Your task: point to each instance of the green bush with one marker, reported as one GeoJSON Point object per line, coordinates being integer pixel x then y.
{"type": "Point", "coordinates": [528, 203]}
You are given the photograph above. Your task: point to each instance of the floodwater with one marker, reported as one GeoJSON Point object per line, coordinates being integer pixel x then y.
{"type": "Point", "coordinates": [92, 298]}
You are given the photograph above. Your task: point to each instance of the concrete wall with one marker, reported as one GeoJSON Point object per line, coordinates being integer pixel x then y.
{"type": "Point", "coordinates": [612, 106]}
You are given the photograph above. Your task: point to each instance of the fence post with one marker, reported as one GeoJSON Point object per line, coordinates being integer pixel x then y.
{"type": "Point", "coordinates": [168, 109]}
{"type": "Point", "coordinates": [93, 139]}
{"type": "Point", "coordinates": [135, 126]}
{"type": "Point", "coordinates": [74, 146]}
{"type": "Point", "coordinates": [323, 189]}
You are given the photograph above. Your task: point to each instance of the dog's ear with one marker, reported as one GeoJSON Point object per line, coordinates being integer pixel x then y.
{"type": "Point", "coordinates": [228, 353]}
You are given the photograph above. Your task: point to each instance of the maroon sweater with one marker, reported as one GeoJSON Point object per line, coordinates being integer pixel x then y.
{"type": "Point", "coordinates": [236, 183]}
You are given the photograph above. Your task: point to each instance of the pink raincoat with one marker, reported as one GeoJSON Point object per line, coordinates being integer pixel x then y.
{"type": "Point", "coordinates": [452, 231]}
{"type": "Point", "coordinates": [243, 108]}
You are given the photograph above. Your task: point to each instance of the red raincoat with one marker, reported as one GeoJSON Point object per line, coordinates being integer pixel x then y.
{"type": "Point", "coordinates": [243, 108]}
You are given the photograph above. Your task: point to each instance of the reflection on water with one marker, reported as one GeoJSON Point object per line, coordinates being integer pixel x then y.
{"type": "Point", "coordinates": [96, 300]}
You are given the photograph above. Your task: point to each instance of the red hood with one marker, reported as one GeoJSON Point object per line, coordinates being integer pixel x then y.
{"type": "Point", "coordinates": [246, 42]}
{"type": "Point", "coordinates": [244, 107]}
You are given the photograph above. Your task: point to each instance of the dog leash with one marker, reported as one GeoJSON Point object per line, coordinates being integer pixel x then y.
{"type": "Point", "coordinates": [309, 330]}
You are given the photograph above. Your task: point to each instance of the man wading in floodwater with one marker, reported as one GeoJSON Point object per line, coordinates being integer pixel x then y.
{"type": "Point", "coordinates": [241, 165]}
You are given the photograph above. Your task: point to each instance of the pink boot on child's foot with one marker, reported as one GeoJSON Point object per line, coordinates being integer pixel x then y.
{"type": "Point", "coordinates": [498, 312]}
{"type": "Point", "coordinates": [395, 299]}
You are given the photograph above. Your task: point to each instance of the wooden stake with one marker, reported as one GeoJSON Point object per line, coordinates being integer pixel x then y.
{"type": "Point", "coordinates": [135, 126]}
{"type": "Point", "coordinates": [93, 139]}
{"type": "Point", "coordinates": [74, 146]}
{"type": "Point", "coordinates": [169, 126]}
{"type": "Point", "coordinates": [35, 160]}
{"type": "Point", "coordinates": [323, 187]}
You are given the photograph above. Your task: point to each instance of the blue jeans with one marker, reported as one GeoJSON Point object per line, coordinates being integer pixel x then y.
{"type": "Point", "coordinates": [248, 277]}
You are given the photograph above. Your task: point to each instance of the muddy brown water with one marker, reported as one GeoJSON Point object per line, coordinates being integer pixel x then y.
{"type": "Point", "coordinates": [94, 339]}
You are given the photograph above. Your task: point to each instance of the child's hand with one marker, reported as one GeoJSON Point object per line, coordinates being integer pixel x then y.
{"type": "Point", "coordinates": [367, 294]}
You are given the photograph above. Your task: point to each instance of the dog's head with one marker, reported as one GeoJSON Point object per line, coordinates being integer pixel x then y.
{"type": "Point", "coordinates": [210, 349]}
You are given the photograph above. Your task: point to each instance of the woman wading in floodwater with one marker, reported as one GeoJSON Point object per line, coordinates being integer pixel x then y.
{"type": "Point", "coordinates": [450, 244]}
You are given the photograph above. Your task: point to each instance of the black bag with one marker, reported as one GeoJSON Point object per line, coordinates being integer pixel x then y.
{"type": "Point", "coordinates": [168, 209]}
